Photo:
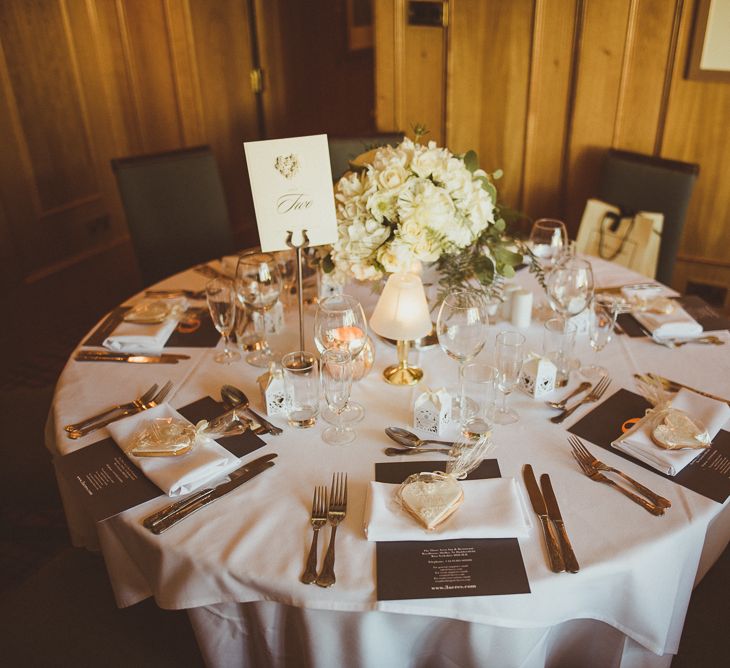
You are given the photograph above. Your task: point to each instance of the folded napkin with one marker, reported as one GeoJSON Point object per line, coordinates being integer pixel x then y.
{"type": "Point", "coordinates": [135, 337]}
{"type": "Point", "coordinates": [492, 508]}
{"type": "Point", "coordinates": [180, 475]}
{"type": "Point", "coordinates": [677, 324]}
{"type": "Point", "coordinates": [710, 413]}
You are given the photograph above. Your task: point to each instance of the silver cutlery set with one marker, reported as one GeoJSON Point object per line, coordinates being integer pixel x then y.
{"type": "Point", "coordinates": [324, 510]}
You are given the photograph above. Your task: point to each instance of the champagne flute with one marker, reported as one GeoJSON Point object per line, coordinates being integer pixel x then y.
{"type": "Point", "coordinates": [461, 328]}
{"type": "Point", "coordinates": [258, 283]}
{"type": "Point", "coordinates": [221, 296]}
{"type": "Point", "coordinates": [336, 365]}
{"type": "Point", "coordinates": [600, 329]}
{"type": "Point", "coordinates": [510, 354]}
{"type": "Point", "coordinates": [339, 323]}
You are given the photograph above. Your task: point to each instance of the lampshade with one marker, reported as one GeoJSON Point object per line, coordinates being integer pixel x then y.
{"type": "Point", "coordinates": [402, 311]}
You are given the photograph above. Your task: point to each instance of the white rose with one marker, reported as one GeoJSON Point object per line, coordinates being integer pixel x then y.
{"type": "Point", "coordinates": [392, 177]}
{"type": "Point", "coordinates": [425, 163]}
{"type": "Point", "coordinates": [395, 257]}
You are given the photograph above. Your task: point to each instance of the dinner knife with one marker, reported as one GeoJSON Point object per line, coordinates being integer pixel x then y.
{"type": "Point", "coordinates": [173, 513]}
{"type": "Point", "coordinates": [571, 563]}
{"type": "Point", "coordinates": [133, 359]}
{"type": "Point", "coordinates": [538, 505]}
{"type": "Point", "coordinates": [111, 353]}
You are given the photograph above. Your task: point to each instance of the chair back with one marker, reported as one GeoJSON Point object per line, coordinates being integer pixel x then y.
{"type": "Point", "coordinates": [637, 182]}
{"type": "Point", "coordinates": [344, 149]}
{"type": "Point", "coordinates": [176, 209]}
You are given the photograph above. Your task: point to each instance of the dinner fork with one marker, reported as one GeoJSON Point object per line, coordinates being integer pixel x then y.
{"type": "Point", "coordinates": [594, 395]}
{"type": "Point", "coordinates": [156, 400]}
{"type": "Point", "coordinates": [597, 476]}
{"type": "Point", "coordinates": [121, 407]}
{"type": "Point", "coordinates": [318, 519]}
{"type": "Point", "coordinates": [580, 450]}
{"type": "Point", "coordinates": [563, 403]}
{"type": "Point", "coordinates": [336, 512]}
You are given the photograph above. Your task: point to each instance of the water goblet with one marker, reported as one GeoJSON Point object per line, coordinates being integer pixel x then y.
{"type": "Point", "coordinates": [570, 287]}
{"type": "Point", "coordinates": [339, 323]}
{"type": "Point", "coordinates": [221, 296]}
{"type": "Point", "coordinates": [337, 383]}
{"type": "Point", "coordinates": [558, 344]}
{"type": "Point", "coordinates": [510, 354]}
{"type": "Point", "coordinates": [461, 328]}
{"type": "Point", "coordinates": [548, 240]}
{"type": "Point", "coordinates": [258, 284]}
{"type": "Point", "coordinates": [600, 329]}
{"type": "Point", "coordinates": [301, 382]}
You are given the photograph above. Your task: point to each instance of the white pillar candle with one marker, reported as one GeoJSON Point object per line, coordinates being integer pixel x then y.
{"type": "Point", "coordinates": [507, 293]}
{"type": "Point", "coordinates": [521, 309]}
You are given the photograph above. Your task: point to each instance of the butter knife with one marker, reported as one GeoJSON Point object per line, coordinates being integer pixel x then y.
{"type": "Point", "coordinates": [173, 513]}
{"type": "Point", "coordinates": [571, 563]}
{"type": "Point", "coordinates": [111, 353]}
{"type": "Point", "coordinates": [674, 386]}
{"type": "Point", "coordinates": [538, 505]}
{"type": "Point", "coordinates": [133, 359]}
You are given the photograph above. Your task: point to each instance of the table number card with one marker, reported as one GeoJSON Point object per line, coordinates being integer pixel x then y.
{"type": "Point", "coordinates": [291, 182]}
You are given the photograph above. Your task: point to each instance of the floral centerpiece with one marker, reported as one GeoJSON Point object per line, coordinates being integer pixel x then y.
{"type": "Point", "coordinates": [421, 203]}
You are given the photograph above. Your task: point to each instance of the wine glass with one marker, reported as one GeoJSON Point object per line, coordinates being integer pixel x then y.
{"type": "Point", "coordinates": [461, 328]}
{"type": "Point", "coordinates": [286, 261]}
{"type": "Point", "coordinates": [336, 374]}
{"type": "Point", "coordinates": [339, 323]}
{"type": "Point", "coordinates": [600, 328]}
{"type": "Point", "coordinates": [258, 283]}
{"type": "Point", "coordinates": [570, 287]}
{"type": "Point", "coordinates": [510, 353]}
{"type": "Point", "coordinates": [548, 240]}
{"type": "Point", "coordinates": [221, 296]}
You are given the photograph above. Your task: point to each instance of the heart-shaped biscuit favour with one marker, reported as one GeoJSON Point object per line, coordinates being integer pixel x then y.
{"type": "Point", "coordinates": [430, 498]}
{"type": "Point", "coordinates": [679, 431]}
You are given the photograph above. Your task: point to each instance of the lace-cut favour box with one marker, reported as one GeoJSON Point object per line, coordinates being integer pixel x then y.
{"type": "Point", "coordinates": [432, 411]}
{"type": "Point", "coordinates": [537, 377]}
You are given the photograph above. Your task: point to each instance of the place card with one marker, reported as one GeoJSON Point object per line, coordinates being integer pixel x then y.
{"type": "Point", "coordinates": [104, 482]}
{"type": "Point", "coordinates": [291, 183]}
{"type": "Point", "coordinates": [708, 474]}
{"type": "Point", "coordinates": [446, 568]}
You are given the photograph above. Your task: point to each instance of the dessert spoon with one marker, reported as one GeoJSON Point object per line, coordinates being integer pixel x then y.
{"type": "Point", "coordinates": [409, 440]}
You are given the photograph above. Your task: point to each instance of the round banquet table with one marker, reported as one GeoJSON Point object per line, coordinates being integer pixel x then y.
{"type": "Point", "coordinates": [235, 566]}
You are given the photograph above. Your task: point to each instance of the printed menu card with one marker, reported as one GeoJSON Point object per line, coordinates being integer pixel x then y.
{"type": "Point", "coordinates": [104, 482]}
{"type": "Point", "coordinates": [446, 568]}
{"type": "Point", "coordinates": [291, 183]}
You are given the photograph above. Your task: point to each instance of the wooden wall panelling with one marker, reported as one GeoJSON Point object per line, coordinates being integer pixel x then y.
{"type": "Point", "coordinates": [648, 55]}
{"type": "Point", "coordinates": [223, 56]}
{"type": "Point", "coordinates": [271, 49]}
{"type": "Point", "coordinates": [52, 131]}
{"type": "Point", "coordinates": [147, 54]}
{"type": "Point", "coordinates": [489, 67]}
{"type": "Point", "coordinates": [548, 109]}
{"type": "Point", "coordinates": [389, 27]}
{"type": "Point", "coordinates": [598, 83]}
{"type": "Point", "coordinates": [697, 130]}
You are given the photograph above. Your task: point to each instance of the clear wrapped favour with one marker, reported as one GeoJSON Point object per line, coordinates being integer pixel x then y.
{"type": "Point", "coordinates": [169, 437]}
{"type": "Point", "coordinates": [432, 497]}
{"type": "Point", "coordinates": [670, 428]}
{"type": "Point", "coordinates": [153, 311]}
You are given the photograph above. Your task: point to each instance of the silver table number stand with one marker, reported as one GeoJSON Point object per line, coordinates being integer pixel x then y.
{"type": "Point", "coordinates": [304, 242]}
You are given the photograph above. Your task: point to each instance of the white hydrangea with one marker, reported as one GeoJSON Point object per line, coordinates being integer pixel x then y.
{"type": "Point", "coordinates": [412, 203]}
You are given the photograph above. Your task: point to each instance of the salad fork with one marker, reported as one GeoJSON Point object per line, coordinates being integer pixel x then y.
{"type": "Point", "coordinates": [595, 394]}
{"type": "Point", "coordinates": [580, 450]}
{"type": "Point", "coordinates": [121, 407]}
{"type": "Point", "coordinates": [156, 400]}
{"type": "Point", "coordinates": [317, 519]}
{"type": "Point", "coordinates": [597, 476]}
{"type": "Point", "coordinates": [336, 512]}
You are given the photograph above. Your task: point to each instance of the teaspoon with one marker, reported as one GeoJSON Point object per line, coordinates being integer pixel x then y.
{"type": "Point", "coordinates": [235, 398]}
{"type": "Point", "coordinates": [394, 452]}
{"type": "Point", "coordinates": [409, 440]}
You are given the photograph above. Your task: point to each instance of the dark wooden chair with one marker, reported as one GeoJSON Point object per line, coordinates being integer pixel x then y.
{"type": "Point", "coordinates": [176, 209]}
{"type": "Point", "coordinates": [344, 149]}
{"type": "Point", "coordinates": [637, 182]}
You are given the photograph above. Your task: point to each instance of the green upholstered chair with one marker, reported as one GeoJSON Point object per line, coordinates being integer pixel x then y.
{"type": "Point", "coordinates": [176, 209]}
{"type": "Point", "coordinates": [637, 182]}
{"type": "Point", "coordinates": [344, 149]}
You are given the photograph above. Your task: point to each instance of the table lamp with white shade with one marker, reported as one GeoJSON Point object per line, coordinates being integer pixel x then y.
{"type": "Point", "coordinates": [402, 314]}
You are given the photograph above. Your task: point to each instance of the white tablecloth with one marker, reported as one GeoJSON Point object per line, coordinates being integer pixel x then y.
{"type": "Point", "coordinates": [235, 566]}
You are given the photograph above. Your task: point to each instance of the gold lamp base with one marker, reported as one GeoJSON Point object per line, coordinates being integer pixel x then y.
{"type": "Point", "coordinates": [401, 373]}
